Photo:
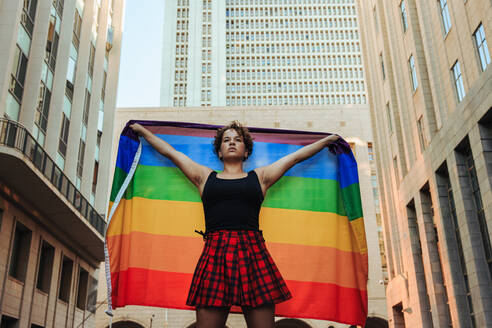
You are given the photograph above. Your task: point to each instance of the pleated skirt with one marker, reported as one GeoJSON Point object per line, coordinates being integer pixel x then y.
{"type": "Point", "coordinates": [235, 268]}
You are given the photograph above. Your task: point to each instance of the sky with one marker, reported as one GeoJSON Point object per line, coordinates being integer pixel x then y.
{"type": "Point", "coordinates": [140, 64]}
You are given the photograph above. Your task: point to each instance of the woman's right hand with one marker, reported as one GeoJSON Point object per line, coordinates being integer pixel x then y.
{"type": "Point", "coordinates": [137, 128]}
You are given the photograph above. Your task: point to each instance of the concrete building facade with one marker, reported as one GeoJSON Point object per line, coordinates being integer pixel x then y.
{"type": "Point", "coordinates": [350, 121]}
{"type": "Point", "coordinates": [59, 65]}
{"type": "Point", "coordinates": [429, 80]}
{"type": "Point", "coordinates": [261, 53]}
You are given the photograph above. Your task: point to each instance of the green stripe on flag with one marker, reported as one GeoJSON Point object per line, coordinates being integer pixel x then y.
{"type": "Point", "coordinates": [118, 179]}
{"type": "Point", "coordinates": [353, 204]}
{"type": "Point", "coordinates": [169, 183]}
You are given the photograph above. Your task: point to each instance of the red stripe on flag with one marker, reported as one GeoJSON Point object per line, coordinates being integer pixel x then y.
{"type": "Point", "coordinates": [312, 300]}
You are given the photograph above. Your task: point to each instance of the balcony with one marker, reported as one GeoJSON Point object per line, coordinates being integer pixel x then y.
{"type": "Point", "coordinates": [27, 169]}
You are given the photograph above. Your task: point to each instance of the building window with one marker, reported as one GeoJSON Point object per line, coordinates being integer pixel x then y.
{"type": "Point", "coordinates": [446, 19]}
{"type": "Point", "coordinates": [9, 322]}
{"type": "Point", "coordinates": [80, 162]}
{"type": "Point", "coordinates": [370, 151]}
{"type": "Point", "coordinates": [77, 26]}
{"type": "Point", "coordinates": [42, 110]}
{"type": "Point", "coordinates": [29, 14]}
{"type": "Point", "coordinates": [92, 55]}
{"type": "Point", "coordinates": [82, 289]}
{"type": "Point", "coordinates": [52, 41]}
{"type": "Point", "coordinates": [45, 267]}
{"type": "Point", "coordinates": [482, 48]}
{"type": "Point", "coordinates": [92, 295]}
{"type": "Point", "coordinates": [403, 12]}
{"type": "Point", "coordinates": [420, 129]}
{"type": "Point", "coordinates": [382, 65]}
{"type": "Point", "coordinates": [18, 76]}
{"type": "Point", "coordinates": [65, 280]}
{"type": "Point", "coordinates": [62, 145]}
{"type": "Point", "coordinates": [395, 167]}
{"type": "Point", "coordinates": [375, 16]}
{"type": "Point", "coordinates": [445, 191]}
{"type": "Point", "coordinates": [458, 81]}
{"type": "Point", "coordinates": [413, 73]}
{"type": "Point", "coordinates": [94, 178]}
{"type": "Point", "coordinates": [388, 114]}
{"type": "Point", "coordinates": [474, 187]}
{"type": "Point", "coordinates": [20, 252]}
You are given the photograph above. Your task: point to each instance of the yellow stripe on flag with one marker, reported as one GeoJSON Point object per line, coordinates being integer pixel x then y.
{"type": "Point", "coordinates": [278, 225]}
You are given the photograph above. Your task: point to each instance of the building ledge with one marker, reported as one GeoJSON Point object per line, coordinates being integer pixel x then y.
{"type": "Point", "coordinates": [29, 171]}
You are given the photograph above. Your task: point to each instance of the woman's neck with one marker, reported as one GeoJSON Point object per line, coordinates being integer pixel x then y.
{"type": "Point", "coordinates": [233, 168]}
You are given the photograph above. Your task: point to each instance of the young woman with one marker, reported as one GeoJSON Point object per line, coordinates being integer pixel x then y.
{"type": "Point", "coordinates": [235, 267]}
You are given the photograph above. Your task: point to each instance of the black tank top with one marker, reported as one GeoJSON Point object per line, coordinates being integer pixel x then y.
{"type": "Point", "coordinates": [232, 204]}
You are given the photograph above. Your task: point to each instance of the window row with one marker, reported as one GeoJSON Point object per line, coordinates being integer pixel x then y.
{"type": "Point", "coordinates": [236, 61]}
{"type": "Point", "coordinates": [207, 28]}
{"type": "Point", "coordinates": [298, 100]}
{"type": "Point", "coordinates": [206, 42]}
{"type": "Point", "coordinates": [182, 49]}
{"type": "Point", "coordinates": [182, 25]}
{"type": "Point", "coordinates": [287, 24]}
{"type": "Point", "coordinates": [322, 11]}
{"type": "Point", "coordinates": [206, 81]}
{"type": "Point", "coordinates": [207, 54]}
{"type": "Point", "coordinates": [207, 4]}
{"type": "Point", "coordinates": [331, 47]}
{"type": "Point", "coordinates": [182, 13]}
{"type": "Point", "coordinates": [292, 74]}
{"type": "Point", "coordinates": [181, 62]}
{"type": "Point", "coordinates": [206, 95]}
{"type": "Point", "coordinates": [85, 285]}
{"type": "Point", "coordinates": [283, 2]}
{"type": "Point", "coordinates": [182, 37]}
{"type": "Point", "coordinates": [180, 75]}
{"type": "Point", "coordinates": [320, 48]}
{"type": "Point", "coordinates": [282, 87]}
{"type": "Point", "coordinates": [292, 35]}
{"type": "Point", "coordinates": [483, 56]}
{"type": "Point", "coordinates": [179, 101]}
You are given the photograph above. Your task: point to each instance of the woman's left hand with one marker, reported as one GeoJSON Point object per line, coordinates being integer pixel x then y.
{"type": "Point", "coordinates": [333, 138]}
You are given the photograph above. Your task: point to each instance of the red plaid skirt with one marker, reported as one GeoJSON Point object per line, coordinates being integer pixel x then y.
{"type": "Point", "coordinates": [235, 268]}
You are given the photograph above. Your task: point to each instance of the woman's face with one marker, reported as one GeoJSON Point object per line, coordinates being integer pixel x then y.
{"type": "Point", "coordinates": [232, 146]}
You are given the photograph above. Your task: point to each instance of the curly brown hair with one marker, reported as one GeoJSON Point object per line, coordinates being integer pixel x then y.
{"type": "Point", "coordinates": [241, 130]}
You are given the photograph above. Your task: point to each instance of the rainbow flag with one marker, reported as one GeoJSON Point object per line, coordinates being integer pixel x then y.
{"type": "Point", "coordinates": [311, 219]}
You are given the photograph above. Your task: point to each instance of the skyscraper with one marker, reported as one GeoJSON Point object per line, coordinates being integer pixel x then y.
{"type": "Point", "coordinates": [59, 65]}
{"type": "Point", "coordinates": [261, 53]}
{"type": "Point", "coordinates": [429, 84]}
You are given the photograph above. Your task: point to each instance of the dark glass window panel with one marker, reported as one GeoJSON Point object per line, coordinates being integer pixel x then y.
{"type": "Point", "coordinates": [45, 267]}
{"type": "Point", "coordinates": [32, 9]}
{"type": "Point", "coordinates": [82, 289]}
{"type": "Point", "coordinates": [20, 252]}
{"type": "Point", "coordinates": [62, 146]}
{"type": "Point", "coordinates": [66, 279]}
{"type": "Point", "coordinates": [87, 104]}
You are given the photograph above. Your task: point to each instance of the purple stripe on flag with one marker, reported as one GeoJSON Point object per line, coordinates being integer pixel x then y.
{"type": "Point", "coordinates": [259, 134]}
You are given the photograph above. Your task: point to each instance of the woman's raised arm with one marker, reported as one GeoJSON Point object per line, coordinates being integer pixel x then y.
{"type": "Point", "coordinates": [270, 174]}
{"type": "Point", "coordinates": [195, 172]}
